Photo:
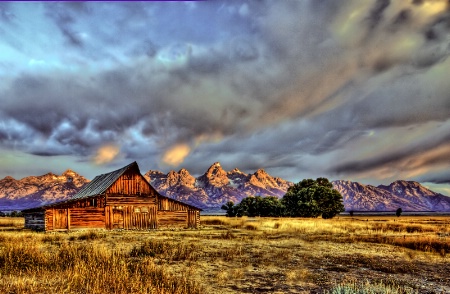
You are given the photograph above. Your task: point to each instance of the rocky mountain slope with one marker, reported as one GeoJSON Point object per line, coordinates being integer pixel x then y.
{"type": "Point", "coordinates": [217, 186]}
{"type": "Point", "coordinates": [418, 194]}
{"type": "Point", "coordinates": [408, 195]}
{"type": "Point", "coordinates": [38, 190]}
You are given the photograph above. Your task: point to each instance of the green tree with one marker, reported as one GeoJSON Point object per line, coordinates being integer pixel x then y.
{"type": "Point", "coordinates": [16, 214]}
{"type": "Point", "coordinates": [255, 206]}
{"type": "Point", "coordinates": [312, 198]}
{"type": "Point", "coordinates": [270, 206]}
{"type": "Point", "coordinates": [249, 206]}
{"type": "Point", "coordinates": [229, 208]}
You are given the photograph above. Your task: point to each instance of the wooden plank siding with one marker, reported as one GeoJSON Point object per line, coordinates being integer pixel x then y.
{"type": "Point", "coordinates": [60, 219]}
{"type": "Point", "coordinates": [90, 217]}
{"type": "Point", "coordinates": [77, 214]}
{"type": "Point", "coordinates": [171, 211]}
{"type": "Point", "coordinates": [131, 204]}
{"type": "Point", "coordinates": [131, 184]}
{"type": "Point", "coordinates": [49, 219]}
{"type": "Point", "coordinates": [169, 204]}
{"type": "Point", "coordinates": [193, 218]}
{"type": "Point", "coordinates": [131, 217]}
{"type": "Point", "coordinates": [35, 220]}
{"type": "Point", "coordinates": [172, 219]}
{"type": "Point", "coordinates": [117, 200]}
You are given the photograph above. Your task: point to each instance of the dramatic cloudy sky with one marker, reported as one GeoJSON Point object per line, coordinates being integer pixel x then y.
{"type": "Point", "coordinates": [347, 89]}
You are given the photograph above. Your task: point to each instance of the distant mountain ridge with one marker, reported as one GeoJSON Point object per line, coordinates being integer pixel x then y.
{"type": "Point", "coordinates": [217, 186]}
{"type": "Point", "coordinates": [34, 191]}
{"type": "Point", "coordinates": [408, 195]}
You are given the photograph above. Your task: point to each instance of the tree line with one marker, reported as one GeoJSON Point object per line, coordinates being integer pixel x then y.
{"type": "Point", "coordinates": [308, 198]}
{"type": "Point", "coordinates": [11, 214]}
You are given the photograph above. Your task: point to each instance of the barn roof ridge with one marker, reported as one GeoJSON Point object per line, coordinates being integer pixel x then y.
{"type": "Point", "coordinates": [102, 182]}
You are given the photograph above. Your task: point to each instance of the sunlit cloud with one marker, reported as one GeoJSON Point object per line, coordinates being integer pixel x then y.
{"type": "Point", "coordinates": [176, 154]}
{"type": "Point", "coordinates": [105, 154]}
{"type": "Point", "coordinates": [214, 137]}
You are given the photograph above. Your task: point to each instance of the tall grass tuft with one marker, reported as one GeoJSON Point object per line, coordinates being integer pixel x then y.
{"type": "Point", "coordinates": [173, 251]}
{"type": "Point", "coordinates": [91, 235]}
{"type": "Point", "coordinates": [214, 222]}
{"type": "Point", "coordinates": [369, 288]}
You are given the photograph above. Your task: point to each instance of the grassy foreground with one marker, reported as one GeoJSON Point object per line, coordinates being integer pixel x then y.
{"type": "Point", "coordinates": [238, 255]}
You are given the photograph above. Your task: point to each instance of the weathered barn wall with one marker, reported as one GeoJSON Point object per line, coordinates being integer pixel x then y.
{"type": "Point", "coordinates": [131, 217]}
{"type": "Point", "coordinates": [49, 219]}
{"type": "Point", "coordinates": [169, 204]}
{"type": "Point", "coordinates": [131, 183]}
{"type": "Point", "coordinates": [116, 200]}
{"type": "Point", "coordinates": [35, 220]}
{"type": "Point", "coordinates": [180, 214]}
{"type": "Point", "coordinates": [193, 218]}
{"type": "Point", "coordinates": [168, 218]}
{"type": "Point", "coordinates": [89, 217]}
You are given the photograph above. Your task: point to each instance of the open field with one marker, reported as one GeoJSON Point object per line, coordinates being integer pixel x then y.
{"type": "Point", "coordinates": [383, 254]}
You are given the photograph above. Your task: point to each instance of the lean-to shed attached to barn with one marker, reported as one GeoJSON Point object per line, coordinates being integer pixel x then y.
{"type": "Point", "coordinates": [121, 199]}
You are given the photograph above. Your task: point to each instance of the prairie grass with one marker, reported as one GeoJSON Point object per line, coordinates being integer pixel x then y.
{"type": "Point", "coordinates": [89, 235]}
{"type": "Point", "coordinates": [12, 222]}
{"type": "Point", "coordinates": [168, 250]}
{"type": "Point", "coordinates": [82, 268]}
{"type": "Point", "coordinates": [234, 255]}
{"type": "Point", "coordinates": [369, 288]}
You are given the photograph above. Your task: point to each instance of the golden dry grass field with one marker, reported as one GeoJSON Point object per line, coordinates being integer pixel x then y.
{"type": "Point", "coordinates": [234, 255]}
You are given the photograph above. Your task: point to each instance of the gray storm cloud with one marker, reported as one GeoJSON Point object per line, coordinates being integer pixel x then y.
{"type": "Point", "coordinates": [295, 83]}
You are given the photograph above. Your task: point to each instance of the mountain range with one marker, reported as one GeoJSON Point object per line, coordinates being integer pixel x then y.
{"type": "Point", "coordinates": [38, 190]}
{"type": "Point", "coordinates": [217, 186]}
{"type": "Point", "coordinates": [408, 195]}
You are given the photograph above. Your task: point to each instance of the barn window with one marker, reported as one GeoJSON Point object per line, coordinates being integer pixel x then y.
{"type": "Point", "coordinates": [144, 209]}
{"type": "Point", "coordinates": [137, 210]}
{"type": "Point", "coordinates": [93, 202]}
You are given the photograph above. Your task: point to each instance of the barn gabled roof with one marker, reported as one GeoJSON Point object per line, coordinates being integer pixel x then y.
{"type": "Point", "coordinates": [102, 182]}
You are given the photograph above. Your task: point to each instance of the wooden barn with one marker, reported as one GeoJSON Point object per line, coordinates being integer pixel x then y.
{"type": "Point", "coordinates": [121, 199]}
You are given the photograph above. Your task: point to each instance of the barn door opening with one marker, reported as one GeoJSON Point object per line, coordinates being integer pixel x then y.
{"type": "Point", "coordinates": [143, 218]}
{"type": "Point", "coordinates": [60, 219]}
{"type": "Point", "coordinates": [117, 218]}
